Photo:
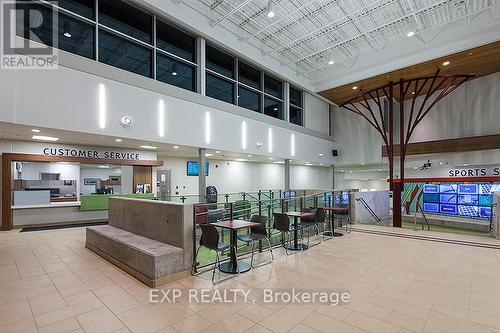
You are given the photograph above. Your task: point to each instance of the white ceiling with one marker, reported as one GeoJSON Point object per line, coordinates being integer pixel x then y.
{"type": "Point", "coordinates": [306, 34]}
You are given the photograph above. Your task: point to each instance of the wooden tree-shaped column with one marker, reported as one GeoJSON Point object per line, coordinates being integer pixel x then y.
{"type": "Point", "coordinates": [421, 95]}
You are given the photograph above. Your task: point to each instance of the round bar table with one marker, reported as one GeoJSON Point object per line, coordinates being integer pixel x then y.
{"type": "Point", "coordinates": [296, 246]}
{"type": "Point", "coordinates": [333, 210]}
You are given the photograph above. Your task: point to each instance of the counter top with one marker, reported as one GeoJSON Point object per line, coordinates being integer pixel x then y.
{"type": "Point", "coordinates": [52, 205]}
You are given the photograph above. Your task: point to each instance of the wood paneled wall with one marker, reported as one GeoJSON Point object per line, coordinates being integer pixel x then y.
{"type": "Point", "coordinates": [143, 175]}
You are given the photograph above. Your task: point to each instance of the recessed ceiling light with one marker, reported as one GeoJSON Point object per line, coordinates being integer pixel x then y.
{"type": "Point", "coordinates": [44, 138]}
{"type": "Point", "coordinates": [209, 155]}
{"type": "Point", "coordinates": [118, 140]}
{"type": "Point", "coordinates": [176, 147]}
{"type": "Point", "coordinates": [249, 155]}
{"type": "Point", "coordinates": [34, 130]}
{"type": "Point", "coordinates": [415, 168]}
{"type": "Point", "coordinates": [217, 151]}
{"type": "Point", "coordinates": [241, 160]}
{"type": "Point", "coordinates": [270, 9]}
{"type": "Point", "coordinates": [446, 63]}
{"type": "Point", "coordinates": [342, 170]}
{"type": "Point", "coordinates": [350, 171]}
{"type": "Point", "coordinates": [279, 162]}
{"type": "Point", "coordinates": [379, 169]}
{"type": "Point", "coordinates": [271, 158]}
{"type": "Point", "coordinates": [148, 147]}
{"type": "Point", "coordinates": [465, 164]}
{"type": "Point", "coordinates": [410, 33]}
{"type": "Point", "coordinates": [354, 88]}
{"type": "Point", "coordinates": [362, 164]}
{"type": "Point", "coordinates": [321, 164]}
{"type": "Point", "coordinates": [331, 62]}
{"type": "Point", "coordinates": [103, 166]}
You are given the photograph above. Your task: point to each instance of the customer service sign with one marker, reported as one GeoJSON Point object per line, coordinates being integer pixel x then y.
{"type": "Point", "coordinates": [63, 150]}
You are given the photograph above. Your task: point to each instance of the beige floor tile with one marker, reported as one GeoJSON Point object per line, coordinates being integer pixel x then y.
{"type": "Point", "coordinates": [258, 329]}
{"type": "Point", "coordinates": [67, 312]}
{"type": "Point", "coordinates": [63, 326]}
{"type": "Point", "coordinates": [100, 320]}
{"type": "Point", "coordinates": [439, 323]}
{"type": "Point", "coordinates": [286, 318]}
{"type": "Point", "coordinates": [321, 323]}
{"type": "Point", "coordinates": [255, 312]}
{"type": "Point", "coordinates": [412, 310]}
{"type": "Point", "coordinates": [369, 309]}
{"type": "Point", "coordinates": [217, 312]}
{"type": "Point", "coordinates": [405, 321]}
{"type": "Point", "coordinates": [12, 312]}
{"type": "Point", "coordinates": [232, 324]}
{"type": "Point", "coordinates": [370, 324]}
{"type": "Point", "coordinates": [46, 303]}
{"type": "Point", "coordinates": [79, 298]}
{"type": "Point", "coordinates": [193, 324]}
{"type": "Point", "coordinates": [151, 318]}
{"type": "Point", "coordinates": [336, 312]}
{"type": "Point", "coordinates": [485, 319]}
{"type": "Point", "coordinates": [119, 302]}
{"type": "Point", "coordinates": [451, 309]}
{"type": "Point", "coordinates": [23, 326]}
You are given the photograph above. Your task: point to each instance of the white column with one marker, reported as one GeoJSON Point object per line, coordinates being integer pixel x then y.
{"type": "Point", "coordinates": [202, 178]}
{"type": "Point", "coordinates": [201, 61]}
{"type": "Point", "coordinates": [287, 175]}
{"type": "Point", "coordinates": [286, 101]}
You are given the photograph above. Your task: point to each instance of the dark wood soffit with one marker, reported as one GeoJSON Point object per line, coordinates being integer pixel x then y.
{"type": "Point", "coordinates": [85, 160]}
{"type": "Point", "coordinates": [479, 61]}
{"type": "Point", "coordinates": [474, 143]}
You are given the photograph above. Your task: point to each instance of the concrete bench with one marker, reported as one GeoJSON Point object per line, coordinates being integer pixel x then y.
{"type": "Point", "coordinates": [148, 239]}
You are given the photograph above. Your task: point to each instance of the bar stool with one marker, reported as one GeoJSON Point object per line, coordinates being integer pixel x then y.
{"type": "Point", "coordinates": [344, 216]}
{"type": "Point", "coordinates": [210, 240]}
{"type": "Point", "coordinates": [282, 224]}
{"type": "Point", "coordinates": [257, 234]}
{"type": "Point", "coordinates": [312, 222]}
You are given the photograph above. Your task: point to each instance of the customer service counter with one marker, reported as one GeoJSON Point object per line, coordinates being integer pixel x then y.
{"type": "Point", "coordinates": [62, 185]}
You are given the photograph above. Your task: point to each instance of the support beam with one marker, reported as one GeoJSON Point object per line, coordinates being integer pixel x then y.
{"type": "Point", "coordinates": [202, 178]}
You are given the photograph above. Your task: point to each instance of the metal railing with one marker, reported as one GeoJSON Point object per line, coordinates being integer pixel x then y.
{"type": "Point", "coordinates": [268, 203]}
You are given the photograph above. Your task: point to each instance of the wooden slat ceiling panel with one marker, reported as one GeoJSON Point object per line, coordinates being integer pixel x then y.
{"type": "Point", "coordinates": [479, 61]}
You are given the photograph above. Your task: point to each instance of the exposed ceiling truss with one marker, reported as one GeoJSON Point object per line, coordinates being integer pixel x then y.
{"type": "Point", "coordinates": [308, 34]}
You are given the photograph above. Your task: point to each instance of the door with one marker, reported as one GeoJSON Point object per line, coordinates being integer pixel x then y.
{"type": "Point", "coordinates": [163, 184]}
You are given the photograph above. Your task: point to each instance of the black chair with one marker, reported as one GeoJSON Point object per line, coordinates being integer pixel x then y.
{"type": "Point", "coordinates": [309, 223]}
{"type": "Point", "coordinates": [282, 224]}
{"type": "Point", "coordinates": [343, 216]}
{"type": "Point", "coordinates": [257, 234]}
{"type": "Point", "coordinates": [210, 239]}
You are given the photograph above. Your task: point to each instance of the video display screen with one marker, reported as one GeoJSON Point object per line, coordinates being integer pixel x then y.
{"type": "Point", "coordinates": [467, 189]}
{"type": "Point", "coordinates": [448, 198]}
{"type": "Point", "coordinates": [193, 168]}
{"type": "Point", "coordinates": [431, 188]}
{"type": "Point", "coordinates": [466, 200]}
{"type": "Point", "coordinates": [431, 207]}
{"type": "Point", "coordinates": [448, 209]}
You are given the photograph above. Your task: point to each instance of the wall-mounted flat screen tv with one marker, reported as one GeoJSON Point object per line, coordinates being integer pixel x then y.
{"type": "Point", "coordinates": [193, 168]}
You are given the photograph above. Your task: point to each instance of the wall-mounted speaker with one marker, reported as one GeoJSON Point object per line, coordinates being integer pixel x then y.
{"type": "Point", "coordinates": [335, 153]}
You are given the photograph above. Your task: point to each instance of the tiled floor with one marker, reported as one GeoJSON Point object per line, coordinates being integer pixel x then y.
{"type": "Point", "coordinates": [51, 283]}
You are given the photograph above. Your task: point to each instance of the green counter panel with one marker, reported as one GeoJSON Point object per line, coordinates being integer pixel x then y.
{"type": "Point", "coordinates": [100, 201]}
